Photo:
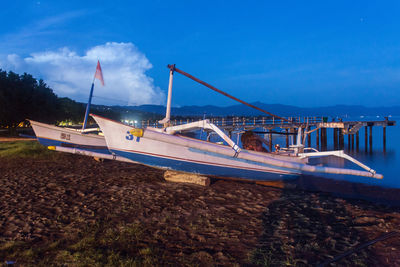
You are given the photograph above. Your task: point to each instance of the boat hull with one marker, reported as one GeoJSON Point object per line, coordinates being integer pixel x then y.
{"type": "Point", "coordinates": [206, 168]}
{"type": "Point", "coordinates": [49, 135]}
{"type": "Point", "coordinates": [190, 157]}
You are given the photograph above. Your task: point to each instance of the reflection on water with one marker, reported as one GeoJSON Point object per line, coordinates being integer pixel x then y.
{"type": "Point", "coordinates": [383, 159]}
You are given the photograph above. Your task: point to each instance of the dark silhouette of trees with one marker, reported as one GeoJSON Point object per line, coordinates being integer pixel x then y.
{"type": "Point", "coordinates": [22, 97]}
{"type": "Point", "coordinates": [70, 110]}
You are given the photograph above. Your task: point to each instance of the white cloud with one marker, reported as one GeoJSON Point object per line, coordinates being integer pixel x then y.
{"type": "Point", "coordinates": [70, 74]}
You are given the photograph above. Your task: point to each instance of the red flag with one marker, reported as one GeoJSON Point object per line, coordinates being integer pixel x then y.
{"type": "Point", "coordinates": [99, 73]}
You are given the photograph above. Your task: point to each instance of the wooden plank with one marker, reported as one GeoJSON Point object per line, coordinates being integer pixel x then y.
{"type": "Point", "coordinates": [277, 184]}
{"type": "Point", "coordinates": [183, 177]}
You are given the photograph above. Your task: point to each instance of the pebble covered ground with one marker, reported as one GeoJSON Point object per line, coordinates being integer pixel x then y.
{"type": "Point", "coordinates": [74, 211]}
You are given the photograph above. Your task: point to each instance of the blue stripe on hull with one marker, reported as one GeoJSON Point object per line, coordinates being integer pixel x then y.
{"type": "Point", "coordinates": [50, 142]}
{"type": "Point", "coordinates": [203, 168]}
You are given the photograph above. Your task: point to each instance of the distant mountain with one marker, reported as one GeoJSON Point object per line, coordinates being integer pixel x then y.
{"type": "Point", "coordinates": [278, 109]}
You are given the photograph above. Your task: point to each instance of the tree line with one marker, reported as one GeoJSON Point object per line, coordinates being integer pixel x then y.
{"type": "Point", "coordinates": [23, 97]}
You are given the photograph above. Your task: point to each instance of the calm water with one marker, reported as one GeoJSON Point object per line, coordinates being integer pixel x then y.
{"type": "Point", "coordinates": [386, 162]}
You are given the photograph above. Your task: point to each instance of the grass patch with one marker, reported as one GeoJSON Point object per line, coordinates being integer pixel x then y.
{"type": "Point", "coordinates": [263, 257]}
{"type": "Point", "coordinates": [101, 244]}
{"type": "Point", "coordinates": [24, 149]}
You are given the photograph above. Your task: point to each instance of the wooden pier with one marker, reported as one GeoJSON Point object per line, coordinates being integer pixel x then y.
{"type": "Point", "coordinates": [319, 125]}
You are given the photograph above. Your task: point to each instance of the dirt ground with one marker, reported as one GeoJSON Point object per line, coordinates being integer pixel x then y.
{"type": "Point", "coordinates": [73, 211]}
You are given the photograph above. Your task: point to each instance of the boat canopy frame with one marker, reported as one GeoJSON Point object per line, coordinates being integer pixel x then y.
{"type": "Point", "coordinates": [202, 124]}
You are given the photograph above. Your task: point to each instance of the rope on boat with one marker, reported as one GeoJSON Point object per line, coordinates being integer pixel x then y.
{"type": "Point", "coordinates": [173, 68]}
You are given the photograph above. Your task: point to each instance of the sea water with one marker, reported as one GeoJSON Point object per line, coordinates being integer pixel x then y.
{"type": "Point", "coordinates": [384, 161]}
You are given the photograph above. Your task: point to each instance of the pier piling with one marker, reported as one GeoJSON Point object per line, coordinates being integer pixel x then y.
{"type": "Point", "coordinates": [357, 141]}
{"type": "Point", "coordinates": [293, 136]}
{"type": "Point", "coordinates": [384, 138]}
{"type": "Point", "coordinates": [348, 142]}
{"type": "Point", "coordinates": [270, 142]}
{"type": "Point", "coordinates": [341, 139]}
{"type": "Point", "coordinates": [287, 137]}
{"type": "Point", "coordinates": [335, 137]}
{"type": "Point", "coordinates": [324, 139]}
{"type": "Point", "coordinates": [370, 138]}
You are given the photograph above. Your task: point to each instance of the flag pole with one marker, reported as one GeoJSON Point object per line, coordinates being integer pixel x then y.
{"type": "Point", "coordinates": [88, 105]}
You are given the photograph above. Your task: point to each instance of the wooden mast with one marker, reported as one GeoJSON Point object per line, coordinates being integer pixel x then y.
{"type": "Point", "coordinates": [166, 120]}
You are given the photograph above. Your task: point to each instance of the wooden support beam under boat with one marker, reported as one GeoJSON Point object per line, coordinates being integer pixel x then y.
{"type": "Point", "coordinates": [184, 177]}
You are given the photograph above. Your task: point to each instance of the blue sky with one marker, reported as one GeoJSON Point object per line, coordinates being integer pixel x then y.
{"type": "Point", "coordinates": [304, 53]}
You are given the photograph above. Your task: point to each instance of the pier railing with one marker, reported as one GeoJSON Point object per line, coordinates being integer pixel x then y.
{"type": "Point", "coordinates": [247, 122]}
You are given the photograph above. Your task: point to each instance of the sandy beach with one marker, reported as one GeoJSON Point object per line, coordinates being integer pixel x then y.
{"type": "Point", "coordinates": [73, 210]}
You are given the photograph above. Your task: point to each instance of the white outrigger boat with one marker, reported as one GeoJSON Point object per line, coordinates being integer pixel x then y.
{"type": "Point", "coordinates": [69, 138]}
{"type": "Point", "coordinates": [87, 142]}
{"type": "Point", "coordinates": [83, 141]}
{"type": "Point", "coordinates": [167, 149]}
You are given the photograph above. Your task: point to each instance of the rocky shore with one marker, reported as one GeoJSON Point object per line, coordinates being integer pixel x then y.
{"type": "Point", "coordinates": [70, 210]}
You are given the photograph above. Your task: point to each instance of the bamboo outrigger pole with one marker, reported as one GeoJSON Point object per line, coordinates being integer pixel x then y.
{"type": "Point", "coordinates": [173, 68]}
